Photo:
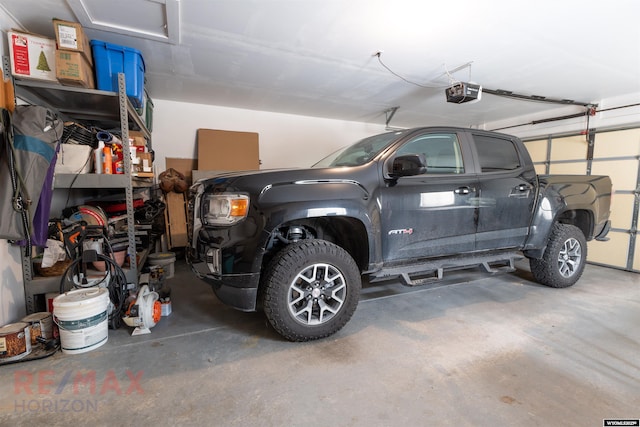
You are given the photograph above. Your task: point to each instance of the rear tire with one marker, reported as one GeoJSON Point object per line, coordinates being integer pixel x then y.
{"type": "Point", "coordinates": [564, 259]}
{"type": "Point", "coordinates": [311, 290]}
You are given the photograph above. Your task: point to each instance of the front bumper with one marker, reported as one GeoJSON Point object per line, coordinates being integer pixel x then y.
{"type": "Point", "coordinates": [237, 290]}
{"type": "Point", "coordinates": [225, 257]}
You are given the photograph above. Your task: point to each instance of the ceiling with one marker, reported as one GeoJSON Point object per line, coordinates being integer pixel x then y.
{"type": "Point", "coordinates": [317, 57]}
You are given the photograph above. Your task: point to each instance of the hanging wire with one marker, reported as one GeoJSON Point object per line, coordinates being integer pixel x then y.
{"type": "Point", "coordinates": [379, 56]}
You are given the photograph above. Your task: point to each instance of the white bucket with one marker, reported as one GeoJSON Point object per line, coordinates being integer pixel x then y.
{"type": "Point", "coordinates": [82, 318]}
{"type": "Point", "coordinates": [166, 260]}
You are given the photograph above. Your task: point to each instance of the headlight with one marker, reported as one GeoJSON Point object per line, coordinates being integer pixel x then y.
{"type": "Point", "coordinates": [224, 209]}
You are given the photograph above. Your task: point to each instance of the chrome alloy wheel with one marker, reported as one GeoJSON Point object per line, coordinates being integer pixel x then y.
{"type": "Point", "coordinates": [570, 257]}
{"type": "Point", "coordinates": [316, 294]}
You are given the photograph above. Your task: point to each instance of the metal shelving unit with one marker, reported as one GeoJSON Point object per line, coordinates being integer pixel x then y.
{"type": "Point", "coordinates": [109, 109]}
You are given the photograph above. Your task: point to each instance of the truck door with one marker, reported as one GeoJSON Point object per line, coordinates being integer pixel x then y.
{"type": "Point", "coordinates": [506, 193]}
{"type": "Point", "coordinates": [430, 214]}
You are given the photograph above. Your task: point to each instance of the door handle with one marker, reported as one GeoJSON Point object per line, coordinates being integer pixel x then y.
{"type": "Point", "coordinates": [523, 187]}
{"type": "Point", "coordinates": [461, 190]}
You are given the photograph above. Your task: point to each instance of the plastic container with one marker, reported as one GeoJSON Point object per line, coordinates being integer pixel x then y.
{"type": "Point", "coordinates": [117, 159]}
{"type": "Point", "coordinates": [82, 318]}
{"type": "Point", "coordinates": [97, 157]}
{"type": "Point", "coordinates": [15, 341]}
{"type": "Point", "coordinates": [111, 59]}
{"type": "Point", "coordinates": [40, 324]}
{"type": "Point", "coordinates": [107, 160]}
{"type": "Point", "coordinates": [166, 260]}
{"type": "Point", "coordinates": [148, 111]}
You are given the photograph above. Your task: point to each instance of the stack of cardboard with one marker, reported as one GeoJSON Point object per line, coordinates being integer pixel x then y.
{"type": "Point", "coordinates": [141, 159]}
{"type": "Point", "coordinates": [74, 61]}
{"type": "Point", "coordinates": [36, 57]}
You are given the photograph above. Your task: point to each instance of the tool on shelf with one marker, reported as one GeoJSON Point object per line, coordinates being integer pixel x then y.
{"type": "Point", "coordinates": [78, 239]}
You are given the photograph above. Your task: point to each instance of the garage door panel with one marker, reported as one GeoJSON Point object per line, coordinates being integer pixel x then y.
{"type": "Point", "coordinates": [622, 211]}
{"type": "Point", "coordinates": [569, 148]}
{"type": "Point", "coordinates": [617, 144]}
{"type": "Point", "coordinates": [540, 169]}
{"type": "Point", "coordinates": [613, 252]}
{"type": "Point", "coordinates": [574, 168]}
{"type": "Point", "coordinates": [616, 153]}
{"type": "Point", "coordinates": [537, 150]}
{"type": "Point", "coordinates": [623, 173]}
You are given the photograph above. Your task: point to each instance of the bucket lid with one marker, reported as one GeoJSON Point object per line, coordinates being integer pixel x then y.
{"type": "Point", "coordinates": [81, 296]}
{"type": "Point", "coordinates": [12, 328]}
{"type": "Point", "coordinates": [162, 256]}
{"type": "Point", "coordinates": [36, 316]}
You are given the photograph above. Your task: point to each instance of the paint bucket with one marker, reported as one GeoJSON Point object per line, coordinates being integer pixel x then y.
{"type": "Point", "coordinates": [82, 318]}
{"type": "Point", "coordinates": [40, 325]}
{"type": "Point", "coordinates": [15, 341]}
{"type": "Point", "coordinates": [166, 260]}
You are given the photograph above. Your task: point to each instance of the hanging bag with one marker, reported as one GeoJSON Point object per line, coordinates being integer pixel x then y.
{"type": "Point", "coordinates": [29, 141]}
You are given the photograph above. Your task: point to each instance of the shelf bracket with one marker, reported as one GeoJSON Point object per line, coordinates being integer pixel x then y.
{"type": "Point", "coordinates": [6, 68]}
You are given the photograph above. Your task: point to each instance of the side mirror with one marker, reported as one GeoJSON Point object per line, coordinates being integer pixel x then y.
{"type": "Point", "coordinates": [409, 165]}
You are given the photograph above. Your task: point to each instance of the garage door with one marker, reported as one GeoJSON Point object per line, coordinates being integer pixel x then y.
{"type": "Point", "coordinates": [615, 153]}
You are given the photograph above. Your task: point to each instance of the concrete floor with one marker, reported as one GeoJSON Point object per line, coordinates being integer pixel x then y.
{"type": "Point", "coordinates": [478, 350]}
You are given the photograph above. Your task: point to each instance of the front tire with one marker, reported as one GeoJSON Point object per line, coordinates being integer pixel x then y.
{"type": "Point", "coordinates": [564, 259]}
{"type": "Point", "coordinates": [311, 290]}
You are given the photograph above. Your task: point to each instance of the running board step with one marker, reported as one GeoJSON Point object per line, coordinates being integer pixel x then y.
{"type": "Point", "coordinates": [430, 271]}
{"type": "Point", "coordinates": [408, 281]}
{"type": "Point", "coordinates": [508, 266]}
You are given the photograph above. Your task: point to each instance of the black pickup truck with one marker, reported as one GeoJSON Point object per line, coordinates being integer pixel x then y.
{"type": "Point", "coordinates": [407, 204]}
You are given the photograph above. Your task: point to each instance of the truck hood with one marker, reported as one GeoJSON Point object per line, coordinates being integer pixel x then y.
{"type": "Point", "coordinates": [227, 176]}
{"type": "Point", "coordinates": [281, 176]}
{"type": "Point", "coordinates": [263, 182]}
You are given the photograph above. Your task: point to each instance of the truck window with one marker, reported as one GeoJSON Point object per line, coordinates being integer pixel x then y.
{"type": "Point", "coordinates": [496, 154]}
{"type": "Point", "coordinates": [360, 152]}
{"type": "Point", "coordinates": [441, 151]}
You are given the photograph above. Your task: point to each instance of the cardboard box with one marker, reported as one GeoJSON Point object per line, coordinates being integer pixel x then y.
{"type": "Point", "coordinates": [176, 220]}
{"type": "Point", "coordinates": [143, 165]}
{"type": "Point", "coordinates": [72, 69]}
{"type": "Point", "coordinates": [70, 36]}
{"type": "Point", "coordinates": [184, 166]}
{"type": "Point", "coordinates": [32, 56]}
{"type": "Point", "coordinates": [137, 137]}
{"type": "Point", "coordinates": [227, 150]}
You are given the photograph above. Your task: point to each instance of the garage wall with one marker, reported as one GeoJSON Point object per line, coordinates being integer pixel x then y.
{"type": "Point", "coordinates": [286, 140]}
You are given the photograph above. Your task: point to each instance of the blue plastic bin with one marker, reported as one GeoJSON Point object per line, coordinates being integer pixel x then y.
{"type": "Point", "coordinates": [111, 59]}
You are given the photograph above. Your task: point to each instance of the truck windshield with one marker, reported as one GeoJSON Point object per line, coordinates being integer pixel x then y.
{"type": "Point", "coordinates": [360, 152]}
